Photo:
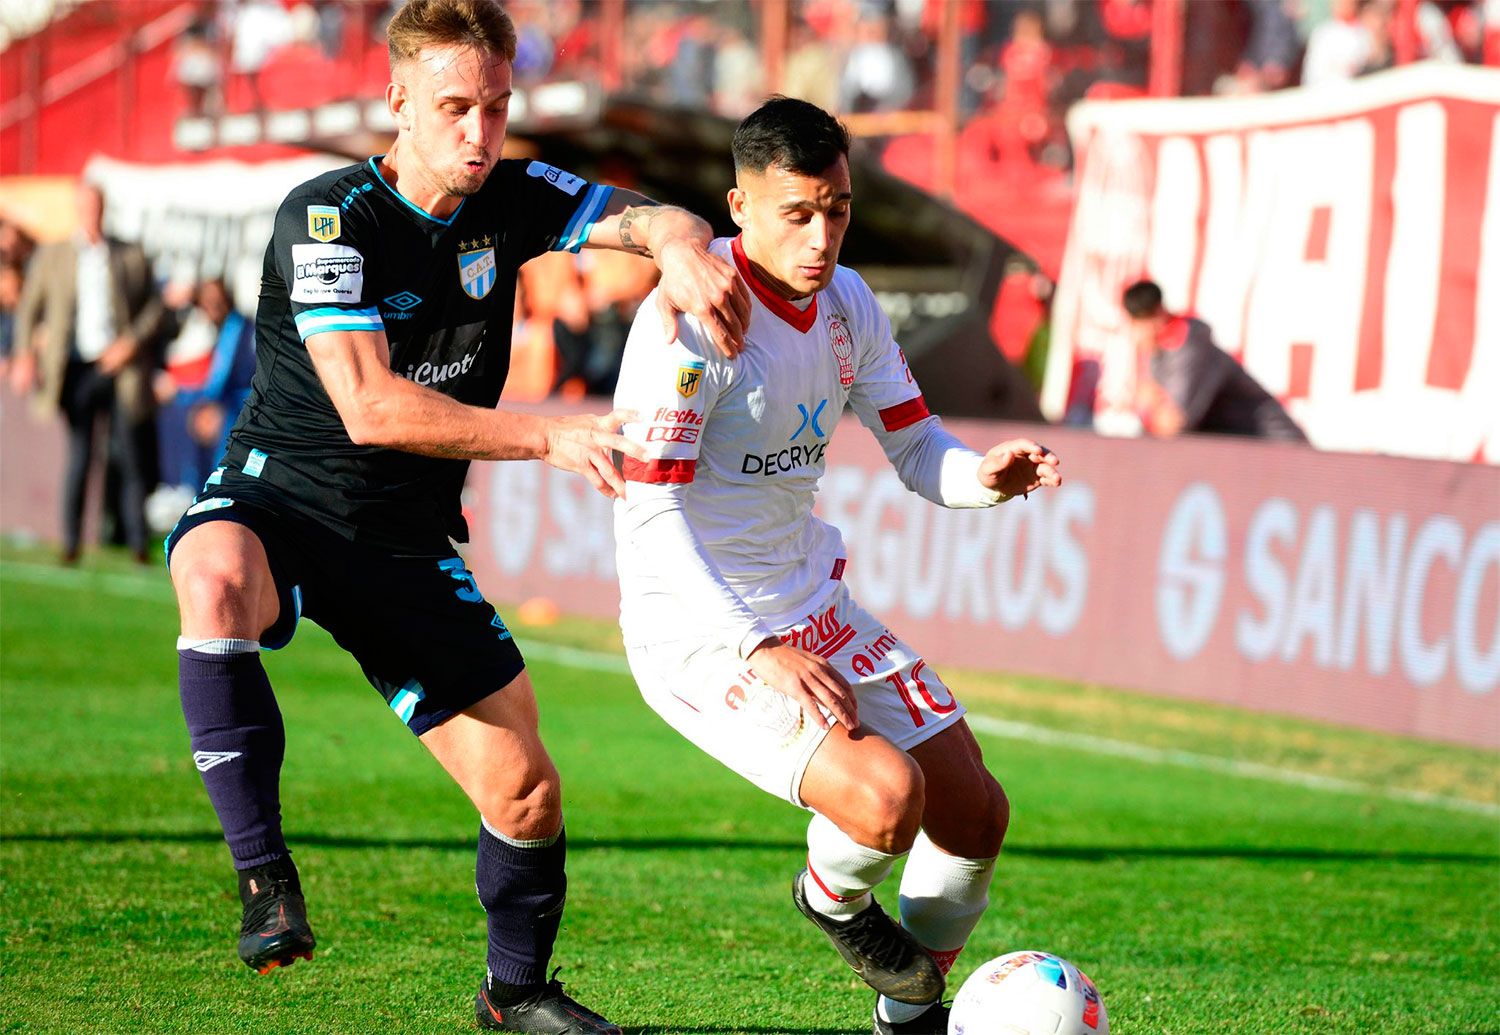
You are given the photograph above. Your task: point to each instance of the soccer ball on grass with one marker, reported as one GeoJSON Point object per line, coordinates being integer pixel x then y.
{"type": "Point", "coordinates": [1028, 993]}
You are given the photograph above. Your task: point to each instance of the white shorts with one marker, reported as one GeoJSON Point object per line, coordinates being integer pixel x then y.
{"type": "Point", "coordinates": [713, 698]}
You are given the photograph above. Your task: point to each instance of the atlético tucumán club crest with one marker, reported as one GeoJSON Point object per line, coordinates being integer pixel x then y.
{"type": "Point", "coordinates": [842, 343]}
{"type": "Point", "coordinates": [476, 267]}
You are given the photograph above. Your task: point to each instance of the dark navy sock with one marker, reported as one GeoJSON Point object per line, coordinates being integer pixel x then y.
{"type": "Point", "coordinates": [522, 891]}
{"type": "Point", "coordinates": [238, 743]}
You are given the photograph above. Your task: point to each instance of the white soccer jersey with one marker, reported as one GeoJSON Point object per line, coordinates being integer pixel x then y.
{"type": "Point", "coordinates": [716, 537]}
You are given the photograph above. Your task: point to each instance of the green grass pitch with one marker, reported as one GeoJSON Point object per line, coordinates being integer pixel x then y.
{"type": "Point", "coordinates": [1199, 901]}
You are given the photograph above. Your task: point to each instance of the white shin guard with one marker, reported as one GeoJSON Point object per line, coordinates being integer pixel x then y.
{"type": "Point", "coordinates": [942, 899]}
{"type": "Point", "coordinates": [841, 871]}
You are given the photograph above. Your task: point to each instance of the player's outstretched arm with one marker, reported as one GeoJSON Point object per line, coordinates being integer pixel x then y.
{"type": "Point", "coordinates": [379, 408]}
{"type": "Point", "coordinates": [1018, 467]}
{"type": "Point", "coordinates": [692, 280]}
{"type": "Point", "coordinates": [808, 679]}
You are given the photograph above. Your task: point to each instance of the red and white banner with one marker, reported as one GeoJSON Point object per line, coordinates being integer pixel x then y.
{"type": "Point", "coordinates": [1342, 242]}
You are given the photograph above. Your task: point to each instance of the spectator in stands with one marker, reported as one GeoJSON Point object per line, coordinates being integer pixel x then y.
{"type": "Point", "coordinates": [811, 72]}
{"type": "Point", "coordinates": [1270, 55]}
{"type": "Point", "coordinates": [195, 64]}
{"type": "Point", "coordinates": [1350, 43]}
{"type": "Point", "coordinates": [208, 367]}
{"type": "Point", "coordinates": [877, 74]}
{"type": "Point", "coordinates": [535, 52]}
{"type": "Point", "coordinates": [1187, 383]}
{"type": "Point", "coordinates": [739, 74]}
{"type": "Point", "coordinates": [88, 314]}
{"type": "Point", "coordinates": [260, 28]}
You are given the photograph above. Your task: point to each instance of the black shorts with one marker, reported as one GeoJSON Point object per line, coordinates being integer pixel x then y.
{"type": "Point", "coordinates": [418, 626]}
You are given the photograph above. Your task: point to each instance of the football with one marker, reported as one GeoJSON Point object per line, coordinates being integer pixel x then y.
{"type": "Point", "coordinates": [1028, 993]}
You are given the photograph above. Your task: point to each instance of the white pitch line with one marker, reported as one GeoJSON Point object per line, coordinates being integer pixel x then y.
{"type": "Point", "coordinates": [137, 587]}
{"type": "Point", "coordinates": [140, 588]}
{"type": "Point", "coordinates": [1214, 764]}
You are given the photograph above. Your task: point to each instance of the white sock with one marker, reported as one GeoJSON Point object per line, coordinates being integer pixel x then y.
{"type": "Point", "coordinates": [942, 899]}
{"type": "Point", "coordinates": [218, 646]}
{"type": "Point", "coordinates": [840, 871]}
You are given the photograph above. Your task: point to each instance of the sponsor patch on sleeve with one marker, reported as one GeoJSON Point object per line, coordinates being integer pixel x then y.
{"type": "Point", "coordinates": [327, 273]}
{"type": "Point", "coordinates": [323, 223]}
{"type": "Point", "coordinates": [690, 377]}
{"type": "Point", "coordinates": [563, 181]}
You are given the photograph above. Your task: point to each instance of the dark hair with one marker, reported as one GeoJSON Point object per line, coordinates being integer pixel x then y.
{"type": "Point", "coordinates": [1142, 299]}
{"type": "Point", "coordinates": [789, 134]}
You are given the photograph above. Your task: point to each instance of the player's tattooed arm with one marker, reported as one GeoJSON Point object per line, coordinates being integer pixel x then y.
{"type": "Point", "coordinates": [636, 220]}
{"type": "Point", "coordinates": [693, 281]}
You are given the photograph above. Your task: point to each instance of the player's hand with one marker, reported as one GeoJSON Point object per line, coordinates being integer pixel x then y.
{"type": "Point", "coordinates": [1018, 467]}
{"type": "Point", "coordinates": [583, 444]}
{"type": "Point", "coordinates": [809, 680]}
{"type": "Point", "coordinates": [703, 285]}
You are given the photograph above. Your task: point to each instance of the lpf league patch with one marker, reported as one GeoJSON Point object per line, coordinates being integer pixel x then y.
{"type": "Point", "coordinates": [689, 377]}
{"type": "Point", "coordinates": [842, 343]}
{"type": "Point", "coordinates": [327, 273]}
{"type": "Point", "coordinates": [476, 271]}
{"type": "Point", "coordinates": [563, 181]}
{"type": "Point", "coordinates": [323, 223]}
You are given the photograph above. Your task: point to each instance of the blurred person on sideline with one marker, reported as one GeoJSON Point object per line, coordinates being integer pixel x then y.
{"type": "Point", "coordinates": [12, 276]}
{"type": "Point", "coordinates": [1187, 383]}
{"type": "Point", "coordinates": [206, 378]}
{"type": "Point", "coordinates": [16, 245]}
{"type": "Point", "coordinates": [383, 343]}
{"type": "Point", "coordinates": [88, 315]}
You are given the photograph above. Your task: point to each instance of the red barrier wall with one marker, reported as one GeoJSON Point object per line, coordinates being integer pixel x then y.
{"type": "Point", "coordinates": [1360, 590]}
{"type": "Point", "coordinates": [1354, 589]}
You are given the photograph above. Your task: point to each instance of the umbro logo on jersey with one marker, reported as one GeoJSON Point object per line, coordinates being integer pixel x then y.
{"type": "Point", "coordinates": [402, 303]}
{"type": "Point", "coordinates": [206, 760]}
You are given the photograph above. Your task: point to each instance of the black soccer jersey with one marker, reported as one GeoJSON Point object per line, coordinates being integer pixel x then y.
{"type": "Point", "coordinates": [350, 253]}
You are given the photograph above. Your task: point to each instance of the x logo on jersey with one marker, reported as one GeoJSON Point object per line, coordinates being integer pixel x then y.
{"type": "Point", "coordinates": [809, 418]}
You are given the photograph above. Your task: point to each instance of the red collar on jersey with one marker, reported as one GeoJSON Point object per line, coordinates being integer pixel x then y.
{"type": "Point", "coordinates": [802, 319]}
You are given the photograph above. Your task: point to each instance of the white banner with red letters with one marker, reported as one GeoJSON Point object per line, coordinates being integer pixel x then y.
{"type": "Point", "coordinates": [1361, 590]}
{"type": "Point", "coordinates": [1342, 242]}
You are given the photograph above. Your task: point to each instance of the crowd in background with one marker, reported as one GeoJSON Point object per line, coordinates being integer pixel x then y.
{"type": "Point", "coordinates": [1029, 59]}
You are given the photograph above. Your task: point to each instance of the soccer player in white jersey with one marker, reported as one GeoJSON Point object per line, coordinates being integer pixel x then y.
{"type": "Point", "coordinates": [737, 622]}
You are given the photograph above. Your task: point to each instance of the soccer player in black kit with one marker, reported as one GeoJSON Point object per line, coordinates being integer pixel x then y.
{"type": "Point", "coordinates": [382, 345]}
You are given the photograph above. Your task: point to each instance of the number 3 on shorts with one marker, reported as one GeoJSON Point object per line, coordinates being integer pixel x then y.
{"type": "Point", "coordinates": [469, 589]}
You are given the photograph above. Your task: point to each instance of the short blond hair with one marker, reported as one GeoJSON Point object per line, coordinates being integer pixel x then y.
{"type": "Point", "coordinates": [440, 23]}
